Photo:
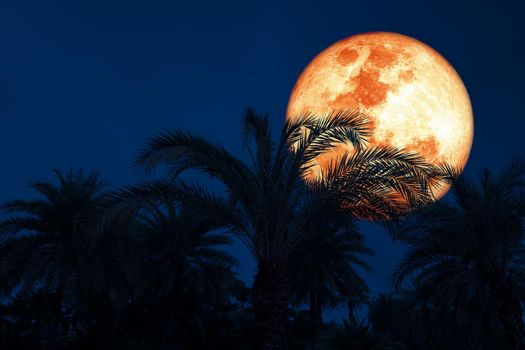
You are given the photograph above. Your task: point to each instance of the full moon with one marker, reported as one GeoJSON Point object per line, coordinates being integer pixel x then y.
{"type": "Point", "coordinates": [413, 97]}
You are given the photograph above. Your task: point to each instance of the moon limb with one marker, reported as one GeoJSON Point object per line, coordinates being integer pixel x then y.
{"type": "Point", "coordinates": [415, 98]}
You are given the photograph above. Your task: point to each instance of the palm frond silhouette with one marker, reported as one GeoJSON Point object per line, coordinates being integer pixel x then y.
{"type": "Point", "coordinates": [269, 202]}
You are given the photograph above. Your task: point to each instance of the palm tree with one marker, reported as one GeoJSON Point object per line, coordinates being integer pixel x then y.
{"type": "Point", "coordinates": [417, 326]}
{"type": "Point", "coordinates": [321, 269]}
{"type": "Point", "coordinates": [425, 323]}
{"type": "Point", "coordinates": [184, 254]}
{"type": "Point", "coordinates": [352, 334]}
{"type": "Point", "coordinates": [184, 269]}
{"type": "Point", "coordinates": [49, 245]}
{"type": "Point", "coordinates": [470, 250]}
{"type": "Point", "coordinates": [179, 277]}
{"type": "Point", "coordinates": [267, 204]}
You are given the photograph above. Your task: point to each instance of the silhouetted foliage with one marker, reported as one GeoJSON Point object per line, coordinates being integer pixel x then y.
{"type": "Point", "coordinates": [267, 203]}
{"type": "Point", "coordinates": [50, 247]}
{"type": "Point", "coordinates": [147, 266]}
{"type": "Point", "coordinates": [322, 268]}
{"type": "Point", "coordinates": [467, 255]}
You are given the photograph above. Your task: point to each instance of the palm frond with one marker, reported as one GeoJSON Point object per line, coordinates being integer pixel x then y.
{"type": "Point", "coordinates": [384, 180]}
{"type": "Point", "coordinates": [257, 127]}
{"type": "Point", "coordinates": [311, 136]}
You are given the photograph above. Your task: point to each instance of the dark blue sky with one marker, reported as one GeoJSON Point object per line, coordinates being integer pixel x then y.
{"type": "Point", "coordinates": [83, 84]}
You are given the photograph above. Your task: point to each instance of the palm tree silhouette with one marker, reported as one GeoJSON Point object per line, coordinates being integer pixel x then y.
{"type": "Point", "coordinates": [412, 318]}
{"type": "Point", "coordinates": [50, 245]}
{"type": "Point", "coordinates": [418, 325]}
{"type": "Point", "coordinates": [352, 334]}
{"type": "Point", "coordinates": [267, 203]}
{"type": "Point", "coordinates": [470, 250]}
{"type": "Point", "coordinates": [180, 276]}
{"type": "Point", "coordinates": [322, 268]}
{"type": "Point", "coordinates": [183, 255]}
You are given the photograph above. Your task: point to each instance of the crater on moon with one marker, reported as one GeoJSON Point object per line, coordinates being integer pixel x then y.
{"type": "Point", "coordinates": [414, 98]}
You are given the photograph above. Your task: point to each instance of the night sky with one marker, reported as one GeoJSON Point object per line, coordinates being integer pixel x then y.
{"type": "Point", "coordinates": [84, 84]}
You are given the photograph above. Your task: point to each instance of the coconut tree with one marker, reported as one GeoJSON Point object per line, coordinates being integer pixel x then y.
{"type": "Point", "coordinates": [49, 245]}
{"type": "Point", "coordinates": [322, 268]}
{"type": "Point", "coordinates": [470, 250]}
{"type": "Point", "coordinates": [269, 203]}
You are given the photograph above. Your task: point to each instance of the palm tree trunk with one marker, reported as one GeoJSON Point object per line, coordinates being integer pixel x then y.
{"type": "Point", "coordinates": [510, 313]}
{"type": "Point", "coordinates": [270, 306]}
{"type": "Point", "coordinates": [351, 307]}
{"type": "Point", "coordinates": [56, 319]}
{"type": "Point", "coordinates": [316, 312]}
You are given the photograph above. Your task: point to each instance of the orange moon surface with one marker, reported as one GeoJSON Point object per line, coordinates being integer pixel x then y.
{"type": "Point", "coordinates": [414, 98]}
